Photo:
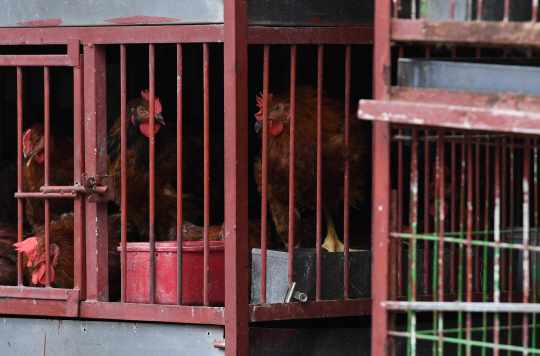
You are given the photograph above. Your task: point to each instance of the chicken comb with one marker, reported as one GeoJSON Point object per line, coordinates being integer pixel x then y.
{"type": "Point", "coordinates": [258, 115]}
{"type": "Point", "coordinates": [146, 96]}
{"type": "Point", "coordinates": [27, 141]}
{"type": "Point", "coordinates": [29, 247]}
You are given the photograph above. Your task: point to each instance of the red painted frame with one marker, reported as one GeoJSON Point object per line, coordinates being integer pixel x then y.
{"type": "Point", "coordinates": [91, 288]}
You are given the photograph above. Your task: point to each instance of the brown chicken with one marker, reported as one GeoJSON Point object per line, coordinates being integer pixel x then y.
{"type": "Point", "coordinates": [60, 173]}
{"type": "Point", "coordinates": [8, 256]}
{"type": "Point", "coordinates": [62, 255]}
{"type": "Point", "coordinates": [334, 156]}
{"type": "Point", "coordinates": [137, 171]}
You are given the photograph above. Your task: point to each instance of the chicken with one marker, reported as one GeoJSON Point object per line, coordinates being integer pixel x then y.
{"type": "Point", "coordinates": [334, 156]}
{"type": "Point", "coordinates": [62, 254]}
{"type": "Point", "coordinates": [60, 172]}
{"type": "Point", "coordinates": [8, 256]}
{"type": "Point", "coordinates": [137, 122]}
{"type": "Point", "coordinates": [137, 171]}
{"type": "Point", "coordinates": [8, 186]}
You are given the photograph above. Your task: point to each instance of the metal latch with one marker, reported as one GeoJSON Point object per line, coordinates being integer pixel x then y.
{"type": "Point", "coordinates": [292, 293]}
{"type": "Point", "coordinates": [99, 188]}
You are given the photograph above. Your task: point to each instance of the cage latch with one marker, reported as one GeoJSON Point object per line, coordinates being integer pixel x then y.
{"type": "Point", "coordinates": [292, 293]}
{"type": "Point", "coordinates": [99, 188]}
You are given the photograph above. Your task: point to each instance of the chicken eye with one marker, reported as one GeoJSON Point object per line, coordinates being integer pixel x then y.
{"type": "Point", "coordinates": [142, 109]}
{"type": "Point", "coordinates": [276, 108]}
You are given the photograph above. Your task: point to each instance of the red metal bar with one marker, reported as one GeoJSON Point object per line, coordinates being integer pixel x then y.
{"type": "Point", "coordinates": [534, 10]}
{"type": "Point", "coordinates": [413, 9]}
{"type": "Point", "coordinates": [506, 10]}
{"type": "Point", "coordinates": [236, 172]}
{"type": "Point", "coordinates": [427, 161]}
{"type": "Point", "coordinates": [318, 289]}
{"type": "Point", "coordinates": [456, 117]}
{"type": "Point", "coordinates": [264, 207]}
{"type": "Point", "coordinates": [34, 292]}
{"type": "Point", "coordinates": [469, 234]}
{"type": "Point", "coordinates": [310, 35]}
{"type": "Point", "coordinates": [479, 10]}
{"type": "Point", "coordinates": [206, 80]}
{"type": "Point", "coordinates": [442, 199]}
{"type": "Point", "coordinates": [380, 342]}
{"type": "Point", "coordinates": [346, 185]}
{"type": "Point", "coordinates": [452, 209]}
{"type": "Point", "coordinates": [106, 35]}
{"type": "Point", "coordinates": [33, 307]}
{"type": "Point", "coordinates": [477, 33]}
{"type": "Point", "coordinates": [41, 195]}
{"type": "Point", "coordinates": [526, 222]}
{"type": "Point", "coordinates": [78, 163]}
{"type": "Point", "coordinates": [34, 60]}
{"type": "Point", "coordinates": [319, 309]}
{"type": "Point", "coordinates": [153, 312]}
{"type": "Point", "coordinates": [511, 234]}
{"type": "Point", "coordinates": [96, 164]}
{"type": "Point", "coordinates": [503, 215]}
{"type": "Point", "coordinates": [414, 210]}
{"type": "Point", "coordinates": [497, 269]}
{"type": "Point", "coordinates": [152, 170]}
{"type": "Point", "coordinates": [179, 187]}
{"type": "Point", "coordinates": [123, 161]}
{"type": "Point", "coordinates": [20, 217]}
{"type": "Point", "coordinates": [476, 216]}
{"type": "Point", "coordinates": [47, 111]}
{"type": "Point", "coordinates": [292, 146]}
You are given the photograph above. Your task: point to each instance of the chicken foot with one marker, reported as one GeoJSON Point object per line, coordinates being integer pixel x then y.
{"type": "Point", "coordinates": [332, 242]}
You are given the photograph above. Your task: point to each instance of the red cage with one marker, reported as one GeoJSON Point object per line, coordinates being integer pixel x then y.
{"type": "Point", "coordinates": [87, 52]}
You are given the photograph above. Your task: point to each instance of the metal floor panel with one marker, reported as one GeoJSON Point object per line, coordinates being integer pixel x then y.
{"type": "Point", "coordinates": [21, 336]}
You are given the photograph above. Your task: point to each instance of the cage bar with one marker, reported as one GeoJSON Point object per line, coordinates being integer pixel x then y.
{"type": "Point", "coordinates": [318, 292]}
{"type": "Point", "coordinates": [346, 179]}
{"type": "Point", "coordinates": [264, 193]}
{"type": "Point", "coordinates": [123, 161]}
{"type": "Point", "coordinates": [206, 173]}
{"type": "Point", "coordinates": [152, 170]}
{"type": "Point", "coordinates": [292, 146]}
{"type": "Point", "coordinates": [179, 171]}
{"type": "Point", "coordinates": [19, 172]}
{"type": "Point", "coordinates": [47, 225]}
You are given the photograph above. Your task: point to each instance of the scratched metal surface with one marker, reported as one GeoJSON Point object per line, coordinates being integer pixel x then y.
{"type": "Point", "coordinates": [21, 336]}
{"type": "Point", "coordinates": [32, 13]}
{"type": "Point", "coordinates": [39, 13]}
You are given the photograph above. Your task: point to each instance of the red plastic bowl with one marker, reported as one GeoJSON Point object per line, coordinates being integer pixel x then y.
{"type": "Point", "coordinates": [138, 272]}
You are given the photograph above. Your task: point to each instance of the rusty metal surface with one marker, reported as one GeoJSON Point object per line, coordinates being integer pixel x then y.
{"type": "Point", "coordinates": [309, 310]}
{"type": "Point", "coordinates": [118, 35]}
{"type": "Point", "coordinates": [319, 243]}
{"type": "Point", "coordinates": [457, 117]}
{"type": "Point", "coordinates": [206, 173]}
{"type": "Point", "coordinates": [179, 171]}
{"type": "Point", "coordinates": [95, 125]}
{"type": "Point", "coordinates": [152, 170]}
{"type": "Point", "coordinates": [236, 175]}
{"type": "Point", "coordinates": [477, 33]}
{"type": "Point", "coordinates": [152, 312]}
{"type": "Point", "coordinates": [292, 154]}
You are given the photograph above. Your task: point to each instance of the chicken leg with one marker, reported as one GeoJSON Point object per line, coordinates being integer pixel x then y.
{"type": "Point", "coordinates": [331, 242]}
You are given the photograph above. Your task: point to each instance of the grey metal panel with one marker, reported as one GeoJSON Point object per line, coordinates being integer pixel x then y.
{"type": "Point", "coordinates": [440, 10]}
{"type": "Point", "coordinates": [310, 12]}
{"type": "Point", "coordinates": [470, 77]}
{"type": "Point", "coordinates": [74, 337]}
{"type": "Point", "coordinates": [305, 274]}
{"type": "Point", "coordinates": [16, 13]}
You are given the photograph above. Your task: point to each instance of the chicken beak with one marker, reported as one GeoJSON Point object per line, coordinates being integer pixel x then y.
{"type": "Point", "coordinates": [258, 125]}
{"type": "Point", "coordinates": [28, 157]}
{"type": "Point", "coordinates": [160, 119]}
